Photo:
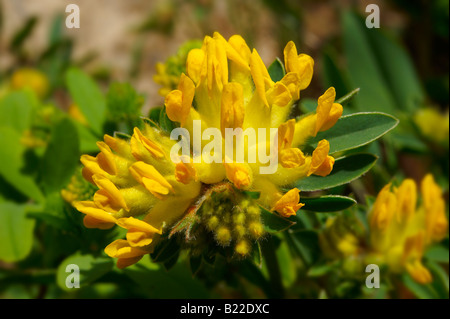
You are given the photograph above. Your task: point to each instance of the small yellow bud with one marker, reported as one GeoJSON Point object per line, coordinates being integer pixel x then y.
{"type": "Point", "coordinates": [242, 248]}
{"type": "Point", "coordinates": [223, 236]}
{"type": "Point", "coordinates": [213, 222]}
{"type": "Point", "coordinates": [239, 218]}
{"type": "Point", "coordinates": [240, 231]}
{"type": "Point", "coordinates": [253, 211]}
{"type": "Point", "coordinates": [256, 229]}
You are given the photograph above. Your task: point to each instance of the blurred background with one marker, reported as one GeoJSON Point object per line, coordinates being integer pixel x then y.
{"type": "Point", "coordinates": [402, 69]}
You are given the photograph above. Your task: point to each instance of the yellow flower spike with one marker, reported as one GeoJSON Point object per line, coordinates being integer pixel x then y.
{"type": "Point", "coordinates": [178, 102]}
{"type": "Point", "coordinates": [139, 232]}
{"type": "Point", "coordinates": [105, 159]}
{"type": "Point", "coordinates": [232, 107]}
{"type": "Point", "coordinates": [108, 197]}
{"type": "Point", "coordinates": [288, 204]}
{"type": "Point", "coordinates": [139, 139]}
{"type": "Point", "coordinates": [151, 179]}
{"type": "Point", "coordinates": [302, 64]}
{"type": "Point", "coordinates": [126, 254]}
{"type": "Point", "coordinates": [185, 173]}
{"type": "Point", "coordinates": [239, 174]}
{"type": "Point", "coordinates": [194, 64]}
{"type": "Point", "coordinates": [434, 205]}
{"type": "Point", "coordinates": [261, 76]}
{"type": "Point", "coordinates": [95, 217]}
{"type": "Point", "coordinates": [406, 200]}
{"type": "Point", "coordinates": [383, 209]}
{"type": "Point", "coordinates": [321, 162]}
{"type": "Point", "coordinates": [291, 157]}
{"type": "Point", "coordinates": [327, 111]}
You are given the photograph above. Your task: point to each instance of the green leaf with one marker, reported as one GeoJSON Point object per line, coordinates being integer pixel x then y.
{"type": "Point", "coordinates": [348, 97]}
{"type": "Point", "coordinates": [11, 154]}
{"type": "Point", "coordinates": [355, 130]}
{"type": "Point", "coordinates": [91, 268]}
{"type": "Point", "coordinates": [16, 110]}
{"type": "Point", "coordinates": [276, 70]}
{"type": "Point", "coordinates": [306, 244]}
{"type": "Point", "coordinates": [166, 249]}
{"type": "Point", "coordinates": [363, 68]}
{"type": "Point", "coordinates": [274, 223]}
{"type": "Point", "coordinates": [195, 262]}
{"type": "Point", "coordinates": [159, 283]}
{"type": "Point", "coordinates": [61, 156]}
{"type": "Point", "coordinates": [88, 97]}
{"type": "Point", "coordinates": [16, 231]}
{"type": "Point", "coordinates": [23, 33]}
{"type": "Point", "coordinates": [398, 70]}
{"type": "Point", "coordinates": [154, 114]}
{"type": "Point", "coordinates": [345, 170]}
{"type": "Point", "coordinates": [438, 254]}
{"type": "Point", "coordinates": [164, 122]}
{"type": "Point", "coordinates": [328, 203]}
{"type": "Point", "coordinates": [419, 290]}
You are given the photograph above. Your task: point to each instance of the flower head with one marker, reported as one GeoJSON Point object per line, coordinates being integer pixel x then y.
{"type": "Point", "coordinates": [227, 87]}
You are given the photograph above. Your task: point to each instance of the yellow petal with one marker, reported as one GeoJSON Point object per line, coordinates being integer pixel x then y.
{"type": "Point", "coordinates": [406, 200]}
{"type": "Point", "coordinates": [194, 64]}
{"type": "Point", "coordinates": [286, 134]}
{"type": "Point", "coordinates": [185, 173]}
{"type": "Point", "coordinates": [120, 248]}
{"type": "Point", "coordinates": [105, 158]}
{"type": "Point", "coordinates": [239, 174]}
{"type": "Point", "coordinates": [260, 75]}
{"type": "Point", "coordinates": [178, 102]}
{"type": "Point", "coordinates": [109, 196]}
{"type": "Point", "coordinates": [279, 95]}
{"type": "Point", "coordinates": [153, 148]}
{"type": "Point", "coordinates": [150, 178]}
{"type": "Point", "coordinates": [95, 217]}
{"type": "Point", "coordinates": [321, 162]}
{"type": "Point", "coordinates": [291, 157]}
{"type": "Point", "coordinates": [302, 64]}
{"type": "Point", "coordinates": [232, 107]}
{"type": "Point", "coordinates": [241, 47]}
{"type": "Point", "coordinates": [135, 224]}
{"type": "Point", "coordinates": [288, 204]}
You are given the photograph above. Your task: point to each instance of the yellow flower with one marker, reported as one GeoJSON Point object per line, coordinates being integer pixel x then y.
{"type": "Point", "coordinates": [143, 189]}
{"type": "Point", "coordinates": [433, 124]}
{"type": "Point", "coordinates": [32, 79]}
{"type": "Point", "coordinates": [401, 230]}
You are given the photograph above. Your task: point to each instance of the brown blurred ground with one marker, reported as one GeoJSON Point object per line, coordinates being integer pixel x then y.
{"type": "Point", "coordinates": [108, 28]}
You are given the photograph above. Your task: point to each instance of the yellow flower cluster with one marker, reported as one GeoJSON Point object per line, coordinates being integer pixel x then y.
{"type": "Point", "coordinates": [226, 85]}
{"type": "Point", "coordinates": [400, 230]}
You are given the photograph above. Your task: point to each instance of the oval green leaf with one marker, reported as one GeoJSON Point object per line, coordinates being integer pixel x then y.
{"type": "Point", "coordinates": [328, 203]}
{"type": "Point", "coordinates": [90, 269]}
{"type": "Point", "coordinates": [355, 130]}
{"type": "Point", "coordinates": [16, 232]}
{"type": "Point", "coordinates": [88, 97]}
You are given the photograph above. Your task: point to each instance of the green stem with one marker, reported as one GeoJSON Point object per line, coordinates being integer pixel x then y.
{"type": "Point", "coordinates": [273, 267]}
